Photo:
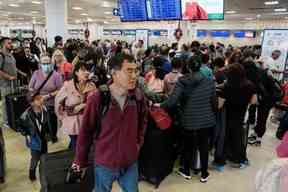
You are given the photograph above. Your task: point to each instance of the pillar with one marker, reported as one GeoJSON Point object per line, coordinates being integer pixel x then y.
{"type": "Point", "coordinates": [56, 19]}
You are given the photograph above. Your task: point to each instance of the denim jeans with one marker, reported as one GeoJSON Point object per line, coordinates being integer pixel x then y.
{"type": "Point", "coordinates": [126, 177]}
{"type": "Point", "coordinates": [73, 142]}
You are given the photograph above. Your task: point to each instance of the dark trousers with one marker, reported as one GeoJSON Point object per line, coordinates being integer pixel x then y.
{"type": "Point", "coordinates": [2, 155]}
{"type": "Point", "coordinates": [196, 140]}
{"type": "Point", "coordinates": [252, 114]}
{"type": "Point", "coordinates": [73, 142]}
{"type": "Point", "coordinates": [53, 122]}
{"type": "Point", "coordinates": [35, 158]}
{"type": "Point", "coordinates": [262, 116]}
{"type": "Point", "coordinates": [235, 145]}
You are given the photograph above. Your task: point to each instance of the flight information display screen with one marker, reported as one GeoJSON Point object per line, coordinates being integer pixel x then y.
{"type": "Point", "coordinates": [133, 10]}
{"type": "Point", "coordinates": [164, 9]}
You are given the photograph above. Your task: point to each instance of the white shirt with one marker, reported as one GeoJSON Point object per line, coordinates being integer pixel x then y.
{"type": "Point", "coordinates": [271, 65]}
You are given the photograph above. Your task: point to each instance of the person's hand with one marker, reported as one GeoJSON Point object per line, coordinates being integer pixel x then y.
{"type": "Point", "coordinates": [76, 167]}
{"type": "Point", "coordinates": [11, 78]}
{"type": "Point", "coordinates": [156, 105]}
{"type": "Point", "coordinates": [45, 97]}
{"type": "Point", "coordinates": [79, 108]}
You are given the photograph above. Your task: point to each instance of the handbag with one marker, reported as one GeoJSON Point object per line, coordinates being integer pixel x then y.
{"type": "Point", "coordinates": [161, 117]}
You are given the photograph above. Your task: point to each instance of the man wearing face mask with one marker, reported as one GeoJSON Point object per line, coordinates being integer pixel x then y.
{"type": "Point", "coordinates": [49, 90]}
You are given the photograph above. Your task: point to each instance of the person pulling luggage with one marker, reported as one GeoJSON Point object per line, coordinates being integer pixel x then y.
{"type": "Point", "coordinates": [120, 131]}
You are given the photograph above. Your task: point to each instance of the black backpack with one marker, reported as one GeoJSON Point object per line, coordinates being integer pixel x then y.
{"type": "Point", "coordinates": [271, 88]}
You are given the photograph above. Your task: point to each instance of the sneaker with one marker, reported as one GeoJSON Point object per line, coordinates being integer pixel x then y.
{"type": "Point", "coordinates": [184, 174]}
{"type": "Point", "coordinates": [219, 168]}
{"type": "Point", "coordinates": [2, 180]}
{"type": "Point", "coordinates": [32, 175]}
{"type": "Point", "coordinates": [246, 162]}
{"type": "Point", "coordinates": [256, 141]}
{"type": "Point", "coordinates": [204, 178]}
{"type": "Point", "coordinates": [243, 166]}
{"type": "Point", "coordinates": [252, 137]}
{"type": "Point", "coordinates": [6, 126]}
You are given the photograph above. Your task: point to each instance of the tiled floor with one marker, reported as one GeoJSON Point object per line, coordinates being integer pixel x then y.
{"type": "Point", "coordinates": [232, 180]}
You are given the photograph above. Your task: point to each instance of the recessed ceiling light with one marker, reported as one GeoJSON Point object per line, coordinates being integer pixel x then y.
{"type": "Point", "coordinates": [36, 2]}
{"type": "Point", "coordinates": [271, 2]}
{"type": "Point", "coordinates": [1, 2]}
{"type": "Point", "coordinates": [89, 20]}
{"type": "Point", "coordinates": [230, 12]}
{"type": "Point", "coordinates": [107, 12]}
{"type": "Point", "coordinates": [34, 12]}
{"type": "Point", "coordinates": [249, 18]}
{"type": "Point", "coordinates": [258, 16]}
{"type": "Point", "coordinates": [106, 4]}
{"type": "Point", "coordinates": [84, 14]}
{"type": "Point", "coordinates": [13, 5]}
{"type": "Point", "coordinates": [77, 8]}
{"type": "Point", "coordinates": [280, 10]}
{"type": "Point", "coordinates": [106, 22]}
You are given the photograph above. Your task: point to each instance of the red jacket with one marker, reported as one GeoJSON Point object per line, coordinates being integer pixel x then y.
{"type": "Point", "coordinates": [121, 135]}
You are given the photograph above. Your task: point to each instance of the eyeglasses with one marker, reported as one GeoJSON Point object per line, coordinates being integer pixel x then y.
{"type": "Point", "coordinates": [130, 72]}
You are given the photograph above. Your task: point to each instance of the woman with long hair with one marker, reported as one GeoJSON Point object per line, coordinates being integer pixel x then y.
{"type": "Point", "coordinates": [71, 101]}
{"type": "Point", "coordinates": [238, 93]}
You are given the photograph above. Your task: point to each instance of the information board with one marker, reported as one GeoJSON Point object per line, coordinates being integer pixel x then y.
{"type": "Point", "coordinates": [133, 10]}
{"type": "Point", "coordinates": [163, 9]}
{"type": "Point", "coordinates": [274, 39]}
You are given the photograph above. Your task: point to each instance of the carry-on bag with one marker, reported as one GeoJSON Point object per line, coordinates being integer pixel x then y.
{"type": "Point", "coordinates": [54, 168]}
{"type": "Point", "coordinates": [16, 103]}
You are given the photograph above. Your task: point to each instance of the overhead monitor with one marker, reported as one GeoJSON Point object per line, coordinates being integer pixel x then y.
{"type": "Point", "coordinates": [163, 9]}
{"type": "Point", "coordinates": [132, 10]}
{"type": "Point", "coordinates": [202, 9]}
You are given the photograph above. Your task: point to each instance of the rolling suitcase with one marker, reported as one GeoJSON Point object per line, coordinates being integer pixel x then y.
{"type": "Point", "coordinates": [16, 103]}
{"type": "Point", "coordinates": [53, 171]}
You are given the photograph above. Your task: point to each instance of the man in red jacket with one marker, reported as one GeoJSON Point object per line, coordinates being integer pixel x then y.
{"type": "Point", "coordinates": [122, 129]}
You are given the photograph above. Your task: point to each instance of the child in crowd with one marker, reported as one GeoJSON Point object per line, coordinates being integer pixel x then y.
{"type": "Point", "coordinates": [34, 124]}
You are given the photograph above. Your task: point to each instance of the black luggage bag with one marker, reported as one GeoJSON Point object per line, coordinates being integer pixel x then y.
{"type": "Point", "coordinates": [157, 156]}
{"type": "Point", "coordinates": [16, 104]}
{"type": "Point", "coordinates": [53, 171]}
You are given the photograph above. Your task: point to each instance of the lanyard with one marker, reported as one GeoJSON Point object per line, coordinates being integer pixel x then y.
{"type": "Point", "coordinates": [39, 124]}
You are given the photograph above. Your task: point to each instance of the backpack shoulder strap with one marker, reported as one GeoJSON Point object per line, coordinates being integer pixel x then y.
{"type": "Point", "coordinates": [3, 61]}
{"type": "Point", "coordinates": [103, 107]}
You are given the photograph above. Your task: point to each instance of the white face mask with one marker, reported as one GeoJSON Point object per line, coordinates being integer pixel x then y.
{"type": "Point", "coordinates": [47, 68]}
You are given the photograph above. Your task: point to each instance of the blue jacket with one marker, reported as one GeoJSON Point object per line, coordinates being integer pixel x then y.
{"type": "Point", "coordinates": [166, 67]}
{"type": "Point", "coordinates": [27, 127]}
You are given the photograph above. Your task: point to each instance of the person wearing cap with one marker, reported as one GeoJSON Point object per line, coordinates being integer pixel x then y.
{"type": "Point", "coordinates": [49, 90]}
{"type": "Point", "coordinates": [35, 125]}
